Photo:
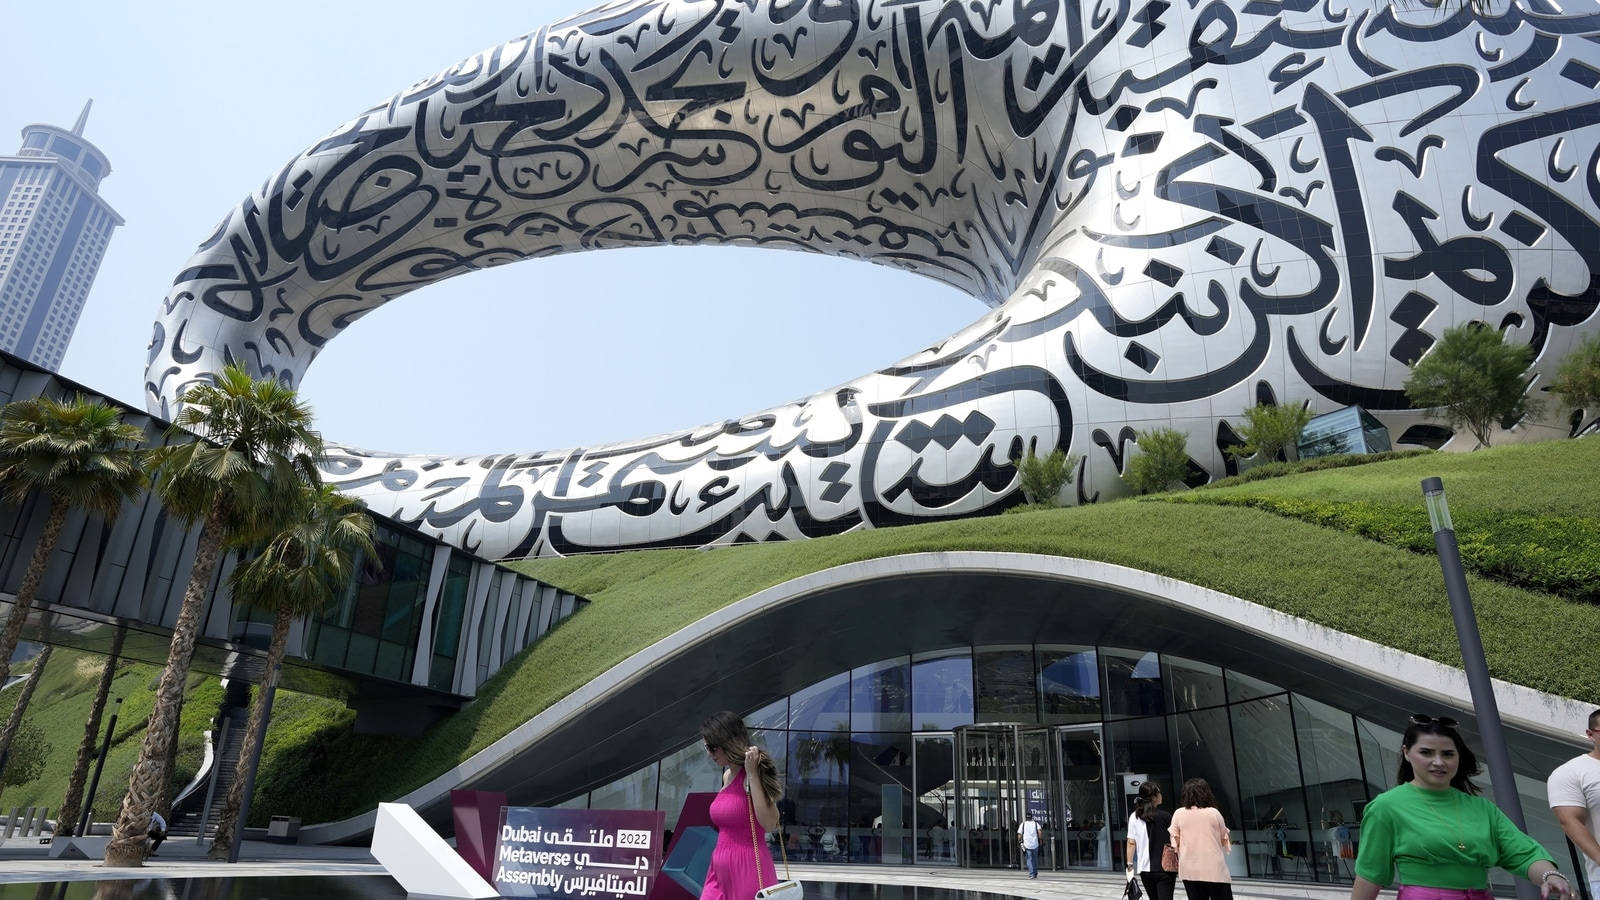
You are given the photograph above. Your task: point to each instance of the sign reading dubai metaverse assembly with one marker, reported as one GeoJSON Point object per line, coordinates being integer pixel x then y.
{"type": "Point", "coordinates": [577, 852]}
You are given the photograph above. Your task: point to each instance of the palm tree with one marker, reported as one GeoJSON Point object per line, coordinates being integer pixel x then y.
{"type": "Point", "coordinates": [301, 570]}
{"type": "Point", "coordinates": [14, 722]}
{"type": "Point", "coordinates": [240, 482]}
{"type": "Point", "coordinates": [77, 453]}
{"type": "Point", "coordinates": [72, 806]}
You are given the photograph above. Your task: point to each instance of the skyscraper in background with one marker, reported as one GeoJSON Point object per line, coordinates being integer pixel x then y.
{"type": "Point", "coordinates": [54, 229]}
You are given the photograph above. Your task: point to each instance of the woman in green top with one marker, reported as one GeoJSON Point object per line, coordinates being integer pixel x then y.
{"type": "Point", "coordinates": [1437, 831]}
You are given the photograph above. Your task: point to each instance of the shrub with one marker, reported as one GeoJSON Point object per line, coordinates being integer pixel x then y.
{"type": "Point", "coordinates": [1577, 380]}
{"type": "Point", "coordinates": [1269, 429]}
{"type": "Point", "coordinates": [1473, 378]}
{"type": "Point", "coordinates": [1162, 462]}
{"type": "Point", "coordinates": [1043, 479]}
{"type": "Point", "coordinates": [1555, 554]}
{"type": "Point", "coordinates": [1313, 464]}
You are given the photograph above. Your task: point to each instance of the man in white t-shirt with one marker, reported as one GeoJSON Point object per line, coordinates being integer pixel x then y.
{"type": "Point", "coordinates": [1574, 789]}
{"type": "Point", "coordinates": [1028, 833]}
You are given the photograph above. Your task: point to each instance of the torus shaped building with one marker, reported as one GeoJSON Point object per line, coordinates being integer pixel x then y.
{"type": "Point", "coordinates": [1174, 208]}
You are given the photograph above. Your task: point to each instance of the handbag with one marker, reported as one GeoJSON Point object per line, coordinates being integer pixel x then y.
{"type": "Point", "coordinates": [1133, 891]}
{"type": "Point", "coordinates": [788, 888]}
{"type": "Point", "coordinates": [1169, 858]}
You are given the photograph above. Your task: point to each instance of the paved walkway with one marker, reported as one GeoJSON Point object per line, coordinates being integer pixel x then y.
{"type": "Point", "coordinates": [26, 861]}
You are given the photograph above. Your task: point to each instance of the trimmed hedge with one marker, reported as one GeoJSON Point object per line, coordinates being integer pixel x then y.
{"type": "Point", "coordinates": [1315, 464]}
{"type": "Point", "coordinates": [1526, 515]}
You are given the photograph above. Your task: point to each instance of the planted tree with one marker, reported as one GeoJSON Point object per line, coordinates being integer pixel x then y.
{"type": "Point", "coordinates": [76, 454]}
{"type": "Point", "coordinates": [72, 805]}
{"type": "Point", "coordinates": [9, 735]}
{"type": "Point", "coordinates": [242, 483]}
{"type": "Point", "coordinates": [29, 750]}
{"type": "Point", "coordinates": [1577, 380]}
{"type": "Point", "coordinates": [1269, 429]}
{"type": "Point", "coordinates": [1161, 463]}
{"type": "Point", "coordinates": [1043, 478]}
{"type": "Point", "coordinates": [299, 572]}
{"type": "Point", "coordinates": [1473, 378]}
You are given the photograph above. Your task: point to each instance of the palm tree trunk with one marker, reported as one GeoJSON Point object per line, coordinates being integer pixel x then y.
{"type": "Point", "coordinates": [145, 788]}
{"type": "Point", "coordinates": [15, 722]}
{"type": "Point", "coordinates": [71, 808]}
{"type": "Point", "coordinates": [222, 845]}
{"type": "Point", "coordinates": [30, 585]}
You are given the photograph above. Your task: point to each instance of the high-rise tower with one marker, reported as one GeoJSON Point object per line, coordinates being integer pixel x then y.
{"type": "Point", "coordinates": [54, 228]}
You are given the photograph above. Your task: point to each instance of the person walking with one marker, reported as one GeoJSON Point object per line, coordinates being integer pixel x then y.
{"type": "Point", "coordinates": [1201, 838]}
{"type": "Point", "coordinates": [750, 794]}
{"type": "Point", "coordinates": [1574, 792]}
{"type": "Point", "coordinates": [1147, 837]}
{"type": "Point", "coordinates": [1437, 833]}
{"type": "Point", "coordinates": [1028, 835]}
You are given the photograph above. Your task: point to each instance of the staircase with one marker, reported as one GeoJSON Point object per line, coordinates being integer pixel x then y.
{"type": "Point", "coordinates": [186, 819]}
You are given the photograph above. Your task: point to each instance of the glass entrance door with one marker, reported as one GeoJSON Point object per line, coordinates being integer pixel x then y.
{"type": "Point", "coordinates": [1084, 838]}
{"type": "Point", "coordinates": [1005, 772]}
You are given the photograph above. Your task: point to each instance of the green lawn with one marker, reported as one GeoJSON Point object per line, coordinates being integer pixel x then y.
{"type": "Point", "coordinates": [61, 706]}
{"type": "Point", "coordinates": [1525, 514]}
{"type": "Point", "coordinates": [1244, 540]}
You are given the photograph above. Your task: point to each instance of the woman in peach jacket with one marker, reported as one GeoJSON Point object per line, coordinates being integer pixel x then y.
{"type": "Point", "coordinates": [1201, 839]}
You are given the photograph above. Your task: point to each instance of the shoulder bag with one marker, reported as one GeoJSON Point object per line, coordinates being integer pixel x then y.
{"type": "Point", "coordinates": [1169, 858]}
{"type": "Point", "coordinates": [788, 888]}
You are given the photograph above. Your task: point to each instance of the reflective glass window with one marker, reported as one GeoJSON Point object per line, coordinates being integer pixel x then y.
{"type": "Point", "coordinates": [65, 149]}
{"type": "Point", "coordinates": [880, 798]}
{"type": "Point", "coordinates": [1330, 764]}
{"type": "Point", "coordinates": [941, 690]}
{"type": "Point", "coordinates": [1138, 751]}
{"type": "Point", "coordinates": [1205, 750]}
{"type": "Point", "coordinates": [880, 696]}
{"type": "Point", "coordinates": [685, 772]}
{"type": "Point", "coordinates": [1245, 687]}
{"type": "Point", "coordinates": [1132, 682]}
{"type": "Point", "coordinates": [92, 166]}
{"type": "Point", "coordinates": [1006, 686]}
{"type": "Point", "coordinates": [824, 706]}
{"type": "Point", "coordinates": [1069, 684]}
{"type": "Point", "coordinates": [935, 803]}
{"type": "Point", "coordinates": [773, 715]}
{"type": "Point", "coordinates": [1272, 804]}
{"type": "Point", "coordinates": [819, 774]}
{"type": "Point", "coordinates": [1192, 684]}
{"type": "Point", "coordinates": [636, 790]}
{"type": "Point", "coordinates": [1380, 756]}
{"type": "Point", "coordinates": [447, 622]}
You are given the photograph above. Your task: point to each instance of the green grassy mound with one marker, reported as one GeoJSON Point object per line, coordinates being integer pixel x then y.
{"type": "Point", "coordinates": [1244, 540]}
{"type": "Point", "coordinates": [1525, 515]}
{"type": "Point", "coordinates": [1323, 574]}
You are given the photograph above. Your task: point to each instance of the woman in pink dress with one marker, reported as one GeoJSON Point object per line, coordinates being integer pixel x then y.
{"type": "Point", "coordinates": [1201, 838]}
{"type": "Point", "coordinates": [749, 781]}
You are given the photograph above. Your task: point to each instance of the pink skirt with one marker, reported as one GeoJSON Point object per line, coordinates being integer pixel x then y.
{"type": "Point", "coordinates": [1413, 892]}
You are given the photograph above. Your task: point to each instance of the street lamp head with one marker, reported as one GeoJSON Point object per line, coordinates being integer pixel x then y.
{"type": "Point", "coordinates": [1438, 508]}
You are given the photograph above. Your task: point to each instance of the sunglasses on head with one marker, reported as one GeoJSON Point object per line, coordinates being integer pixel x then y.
{"type": "Point", "coordinates": [1425, 719]}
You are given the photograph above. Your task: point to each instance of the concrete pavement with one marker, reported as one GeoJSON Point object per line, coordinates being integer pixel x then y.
{"type": "Point", "coordinates": [26, 861]}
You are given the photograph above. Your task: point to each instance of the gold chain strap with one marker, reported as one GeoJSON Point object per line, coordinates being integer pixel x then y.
{"type": "Point", "coordinates": [755, 842]}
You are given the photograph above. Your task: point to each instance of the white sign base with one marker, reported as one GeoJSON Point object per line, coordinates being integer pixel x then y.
{"type": "Point", "coordinates": [415, 855]}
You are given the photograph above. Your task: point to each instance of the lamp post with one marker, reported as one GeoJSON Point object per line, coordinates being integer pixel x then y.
{"type": "Point", "coordinates": [1485, 709]}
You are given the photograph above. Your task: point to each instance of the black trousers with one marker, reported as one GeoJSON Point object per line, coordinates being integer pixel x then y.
{"type": "Point", "coordinates": [157, 835]}
{"type": "Point", "coordinates": [1208, 890]}
{"type": "Point", "coordinates": [1160, 884]}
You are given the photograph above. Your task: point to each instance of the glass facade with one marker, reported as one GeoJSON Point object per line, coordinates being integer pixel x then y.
{"type": "Point", "coordinates": [933, 760]}
{"type": "Point", "coordinates": [373, 628]}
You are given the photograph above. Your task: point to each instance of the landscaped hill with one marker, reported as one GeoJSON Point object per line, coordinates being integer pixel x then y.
{"type": "Point", "coordinates": [1330, 546]}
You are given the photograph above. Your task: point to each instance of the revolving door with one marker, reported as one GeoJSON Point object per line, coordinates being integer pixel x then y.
{"type": "Point", "coordinates": [1005, 771]}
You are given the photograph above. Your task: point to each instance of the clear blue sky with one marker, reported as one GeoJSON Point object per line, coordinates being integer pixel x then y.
{"type": "Point", "coordinates": [195, 103]}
